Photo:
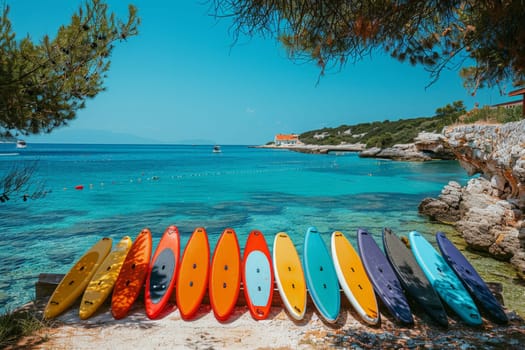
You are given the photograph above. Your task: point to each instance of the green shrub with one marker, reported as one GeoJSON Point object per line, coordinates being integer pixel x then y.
{"type": "Point", "coordinates": [388, 133]}
{"type": "Point", "coordinates": [18, 324]}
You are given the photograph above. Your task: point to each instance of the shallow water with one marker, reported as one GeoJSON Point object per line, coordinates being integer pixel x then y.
{"type": "Point", "coordinates": [129, 187]}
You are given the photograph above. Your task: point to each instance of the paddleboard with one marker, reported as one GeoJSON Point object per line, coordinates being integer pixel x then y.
{"type": "Point", "coordinates": [412, 278]}
{"type": "Point", "coordinates": [162, 273]}
{"type": "Point", "coordinates": [132, 275]}
{"type": "Point", "coordinates": [257, 276]}
{"type": "Point", "coordinates": [75, 281]}
{"type": "Point", "coordinates": [471, 280]}
{"type": "Point", "coordinates": [353, 278]}
{"type": "Point", "coordinates": [103, 281]}
{"type": "Point", "coordinates": [192, 279]}
{"type": "Point", "coordinates": [320, 276]}
{"type": "Point", "coordinates": [289, 275]}
{"type": "Point", "coordinates": [383, 278]}
{"type": "Point", "coordinates": [225, 275]}
{"type": "Point", "coordinates": [443, 279]}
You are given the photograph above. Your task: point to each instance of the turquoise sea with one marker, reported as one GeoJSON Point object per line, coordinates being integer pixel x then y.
{"type": "Point", "coordinates": [129, 187]}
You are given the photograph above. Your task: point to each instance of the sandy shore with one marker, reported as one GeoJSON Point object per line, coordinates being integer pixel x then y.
{"type": "Point", "coordinates": [171, 332]}
{"type": "Point", "coordinates": [277, 332]}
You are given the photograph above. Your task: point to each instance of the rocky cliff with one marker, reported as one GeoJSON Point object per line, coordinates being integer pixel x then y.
{"type": "Point", "coordinates": [489, 211]}
{"type": "Point", "coordinates": [426, 146]}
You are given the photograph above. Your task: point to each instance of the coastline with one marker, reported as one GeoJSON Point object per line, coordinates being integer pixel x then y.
{"type": "Point", "coordinates": [241, 331]}
{"type": "Point", "coordinates": [278, 331]}
{"type": "Point", "coordinates": [317, 149]}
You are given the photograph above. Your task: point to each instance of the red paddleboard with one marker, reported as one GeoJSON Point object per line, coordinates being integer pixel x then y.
{"type": "Point", "coordinates": [162, 273]}
{"type": "Point", "coordinates": [225, 275]}
{"type": "Point", "coordinates": [257, 276]}
{"type": "Point", "coordinates": [192, 279]}
{"type": "Point", "coordinates": [132, 275]}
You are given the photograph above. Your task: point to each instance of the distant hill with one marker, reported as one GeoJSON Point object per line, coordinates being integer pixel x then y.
{"type": "Point", "coordinates": [388, 133]}
{"type": "Point", "coordinates": [67, 135]}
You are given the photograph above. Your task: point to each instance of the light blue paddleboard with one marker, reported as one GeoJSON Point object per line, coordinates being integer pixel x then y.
{"type": "Point", "coordinates": [320, 276]}
{"type": "Point", "coordinates": [258, 278]}
{"type": "Point", "coordinates": [444, 280]}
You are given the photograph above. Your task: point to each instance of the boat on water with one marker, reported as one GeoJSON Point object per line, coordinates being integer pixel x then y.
{"type": "Point", "coordinates": [217, 149]}
{"type": "Point", "coordinates": [21, 144]}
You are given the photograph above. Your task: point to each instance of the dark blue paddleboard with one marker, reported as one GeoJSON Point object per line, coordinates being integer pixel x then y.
{"type": "Point", "coordinates": [383, 277]}
{"type": "Point", "coordinates": [471, 280]}
{"type": "Point", "coordinates": [412, 278]}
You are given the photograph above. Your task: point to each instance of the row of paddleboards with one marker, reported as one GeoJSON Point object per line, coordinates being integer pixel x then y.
{"type": "Point", "coordinates": [395, 276]}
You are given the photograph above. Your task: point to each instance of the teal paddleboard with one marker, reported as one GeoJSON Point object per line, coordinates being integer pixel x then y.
{"type": "Point", "coordinates": [320, 276]}
{"type": "Point", "coordinates": [444, 280]}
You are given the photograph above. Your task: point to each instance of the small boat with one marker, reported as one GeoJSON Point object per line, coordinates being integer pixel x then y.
{"type": "Point", "coordinates": [216, 149]}
{"type": "Point", "coordinates": [21, 144]}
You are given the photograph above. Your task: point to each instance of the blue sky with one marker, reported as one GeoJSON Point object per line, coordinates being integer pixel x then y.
{"type": "Point", "coordinates": [181, 80]}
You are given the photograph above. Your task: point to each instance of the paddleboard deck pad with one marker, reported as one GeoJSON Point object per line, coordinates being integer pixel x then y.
{"type": "Point", "coordinates": [257, 276]}
{"type": "Point", "coordinates": [162, 273]}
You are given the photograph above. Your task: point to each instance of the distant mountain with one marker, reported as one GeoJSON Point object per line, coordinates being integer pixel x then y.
{"type": "Point", "coordinates": [196, 142]}
{"type": "Point", "coordinates": [90, 136]}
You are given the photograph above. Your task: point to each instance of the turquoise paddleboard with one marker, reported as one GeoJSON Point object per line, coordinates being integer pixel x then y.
{"type": "Point", "coordinates": [444, 280]}
{"type": "Point", "coordinates": [320, 275]}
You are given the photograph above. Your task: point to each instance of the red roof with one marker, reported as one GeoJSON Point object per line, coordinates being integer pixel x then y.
{"type": "Point", "coordinates": [517, 92]}
{"type": "Point", "coordinates": [285, 137]}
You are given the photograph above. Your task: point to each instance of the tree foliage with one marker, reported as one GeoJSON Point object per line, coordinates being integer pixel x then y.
{"type": "Point", "coordinates": [43, 85]}
{"type": "Point", "coordinates": [17, 183]}
{"type": "Point", "coordinates": [486, 38]}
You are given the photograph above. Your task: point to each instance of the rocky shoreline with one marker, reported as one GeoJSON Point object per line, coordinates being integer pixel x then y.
{"type": "Point", "coordinates": [426, 147]}
{"type": "Point", "coordinates": [489, 210]}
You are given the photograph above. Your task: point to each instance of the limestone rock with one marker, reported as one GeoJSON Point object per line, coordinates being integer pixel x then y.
{"type": "Point", "coordinates": [488, 211]}
{"type": "Point", "coordinates": [446, 208]}
{"type": "Point", "coordinates": [433, 145]}
{"type": "Point", "coordinates": [369, 152]}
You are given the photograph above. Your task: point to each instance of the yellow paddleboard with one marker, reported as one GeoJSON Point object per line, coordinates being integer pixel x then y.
{"type": "Point", "coordinates": [76, 280]}
{"type": "Point", "coordinates": [101, 285]}
{"type": "Point", "coordinates": [289, 275]}
{"type": "Point", "coordinates": [353, 278]}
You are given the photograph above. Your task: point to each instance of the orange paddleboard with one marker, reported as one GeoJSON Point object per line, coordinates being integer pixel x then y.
{"type": "Point", "coordinates": [132, 275]}
{"type": "Point", "coordinates": [257, 276]}
{"type": "Point", "coordinates": [162, 273]}
{"type": "Point", "coordinates": [225, 275]}
{"type": "Point", "coordinates": [192, 279]}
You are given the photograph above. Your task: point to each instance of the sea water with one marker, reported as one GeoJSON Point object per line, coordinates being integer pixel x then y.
{"type": "Point", "coordinates": [129, 187]}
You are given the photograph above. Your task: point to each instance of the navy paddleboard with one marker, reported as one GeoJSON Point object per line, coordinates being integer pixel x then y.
{"type": "Point", "coordinates": [412, 278]}
{"type": "Point", "coordinates": [383, 278]}
{"type": "Point", "coordinates": [471, 280]}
